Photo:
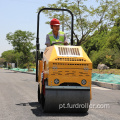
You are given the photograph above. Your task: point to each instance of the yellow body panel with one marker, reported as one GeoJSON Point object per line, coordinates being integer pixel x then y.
{"type": "Point", "coordinates": [40, 69]}
{"type": "Point", "coordinates": [69, 64]}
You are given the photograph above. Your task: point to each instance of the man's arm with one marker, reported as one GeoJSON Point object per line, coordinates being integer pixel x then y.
{"type": "Point", "coordinates": [65, 40]}
{"type": "Point", "coordinates": [47, 43]}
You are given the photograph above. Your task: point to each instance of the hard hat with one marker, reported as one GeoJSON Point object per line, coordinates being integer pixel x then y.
{"type": "Point", "coordinates": [54, 21]}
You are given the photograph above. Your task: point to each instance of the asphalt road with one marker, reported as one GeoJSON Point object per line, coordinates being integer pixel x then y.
{"type": "Point", "coordinates": [18, 101]}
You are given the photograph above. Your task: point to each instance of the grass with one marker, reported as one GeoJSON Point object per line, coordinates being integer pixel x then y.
{"type": "Point", "coordinates": [109, 71]}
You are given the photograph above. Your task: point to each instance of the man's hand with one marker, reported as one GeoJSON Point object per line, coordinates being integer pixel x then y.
{"type": "Point", "coordinates": [48, 45]}
{"type": "Point", "coordinates": [65, 43]}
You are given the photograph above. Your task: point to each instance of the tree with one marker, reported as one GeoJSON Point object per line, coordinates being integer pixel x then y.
{"type": "Point", "coordinates": [87, 18]}
{"type": "Point", "coordinates": [104, 46]}
{"type": "Point", "coordinates": [2, 60]}
{"type": "Point", "coordinates": [9, 56]}
{"type": "Point", "coordinates": [21, 42]}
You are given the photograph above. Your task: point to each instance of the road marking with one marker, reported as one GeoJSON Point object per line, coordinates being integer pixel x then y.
{"type": "Point", "coordinates": [101, 88]}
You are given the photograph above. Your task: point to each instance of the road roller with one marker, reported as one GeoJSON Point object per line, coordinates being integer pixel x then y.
{"type": "Point", "coordinates": [64, 75]}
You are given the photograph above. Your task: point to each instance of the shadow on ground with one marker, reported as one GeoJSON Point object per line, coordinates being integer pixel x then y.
{"type": "Point", "coordinates": [37, 110]}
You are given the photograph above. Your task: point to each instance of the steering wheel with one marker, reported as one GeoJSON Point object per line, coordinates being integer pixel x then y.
{"type": "Point", "coordinates": [57, 43]}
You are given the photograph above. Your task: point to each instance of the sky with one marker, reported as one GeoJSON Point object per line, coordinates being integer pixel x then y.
{"type": "Point", "coordinates": [21, 15]}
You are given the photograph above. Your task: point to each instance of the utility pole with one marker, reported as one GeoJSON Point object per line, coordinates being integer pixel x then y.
{"type": "Point", "coordinates": [63, 20]}
{"type": "Point", "coordinates": [78, 3]}
{"type": "Point", "coordinates": [17, 62]}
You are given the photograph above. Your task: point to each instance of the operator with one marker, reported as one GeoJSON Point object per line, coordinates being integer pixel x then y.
{"type": "Point", "coordinates": [55, 35]}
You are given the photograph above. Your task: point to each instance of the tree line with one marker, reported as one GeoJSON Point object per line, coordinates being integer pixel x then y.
{"type": "Point", "coordinates": [104, 46]}
{"type": "Point", "coordinates": [23, 54]}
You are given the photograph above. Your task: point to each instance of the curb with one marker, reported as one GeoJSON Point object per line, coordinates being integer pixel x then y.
{"type": "Point", "coordinates": [24, 72]}
{"type": "Point", "coordinates": [107, 85]}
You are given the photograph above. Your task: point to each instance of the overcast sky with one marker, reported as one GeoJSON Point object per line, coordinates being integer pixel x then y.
{"type": "Point", "coordinates": [21, 15]}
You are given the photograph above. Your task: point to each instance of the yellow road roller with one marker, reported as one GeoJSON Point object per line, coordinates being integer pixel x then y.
{"type": "Point", "coordinates": [63, 75]}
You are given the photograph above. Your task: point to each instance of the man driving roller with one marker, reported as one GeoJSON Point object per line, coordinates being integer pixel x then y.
{"type": "Point", "coordinates": [55, 36]}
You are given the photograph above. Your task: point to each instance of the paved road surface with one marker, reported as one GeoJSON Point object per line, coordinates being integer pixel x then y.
{"type": "Point", "coordinates": [18, 101]}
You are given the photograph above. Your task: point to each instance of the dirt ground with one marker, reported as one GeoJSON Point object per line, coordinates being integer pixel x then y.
{"type": "Point", "coordinates": [109, 71]}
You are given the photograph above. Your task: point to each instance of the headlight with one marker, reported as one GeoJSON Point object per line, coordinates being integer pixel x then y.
{"type": "Point", "coordinates": [56, 81]}
{"type": "Point", "coordinates": [83, 82]}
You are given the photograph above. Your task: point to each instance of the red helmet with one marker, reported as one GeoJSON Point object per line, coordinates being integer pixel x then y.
{"type": "Point", "coordinates": [54, 21]}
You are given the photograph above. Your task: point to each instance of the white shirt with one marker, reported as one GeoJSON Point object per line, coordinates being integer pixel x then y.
{"type": "Point", "coordinates": [48, 39]}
